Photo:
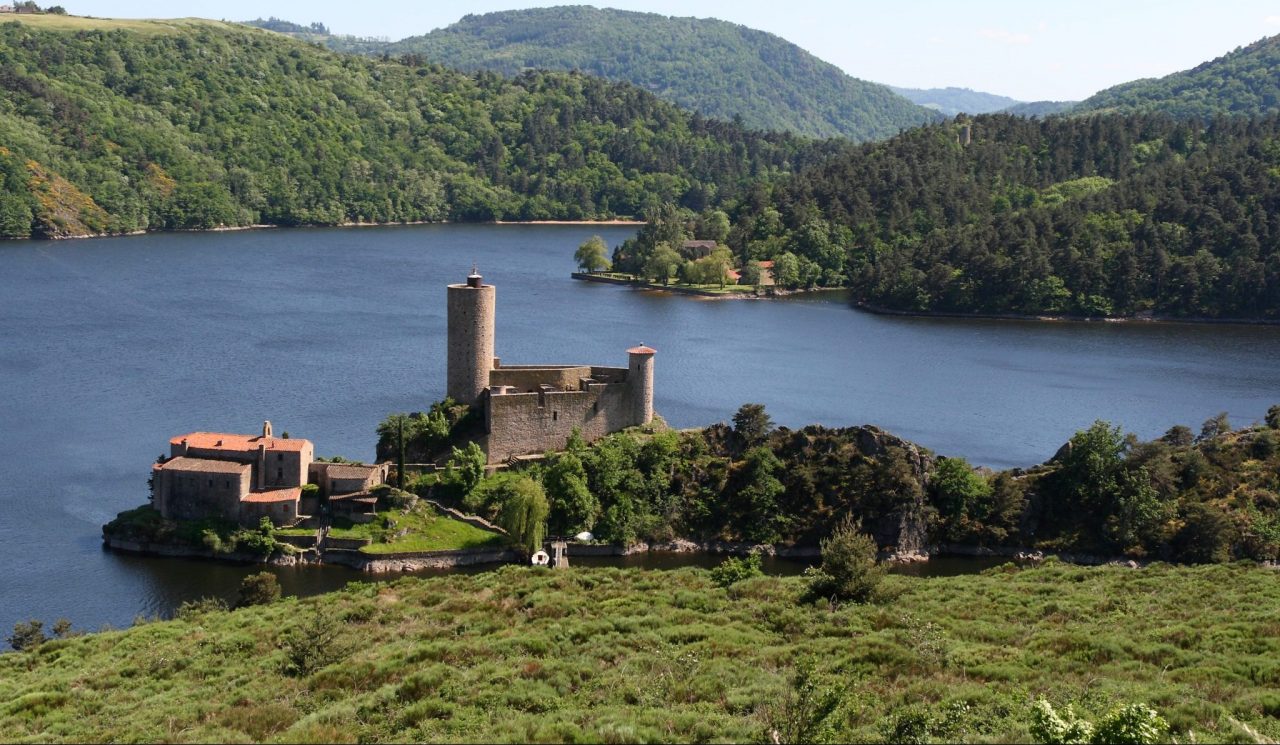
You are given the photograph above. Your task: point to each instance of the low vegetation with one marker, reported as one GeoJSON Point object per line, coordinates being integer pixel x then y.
{"type": "Point", "coordinates": [145, 525]}
{"type": "Point", "coordinates": [530, 655]}
{"type": "Point", "coordinates": [418, 528]}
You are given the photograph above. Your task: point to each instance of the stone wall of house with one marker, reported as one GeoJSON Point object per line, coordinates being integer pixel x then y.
{"type": "Point", "coordinates": [282, 512]}
{"type": "Point", "coordinates": [285, 468]}
{"type": "Point", "coordinates": [196, 495]}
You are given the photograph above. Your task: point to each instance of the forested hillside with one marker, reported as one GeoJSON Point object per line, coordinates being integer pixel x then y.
{"type": "Point", "coordinates": [952, 101]}
{"type": "Point", "coordinates": [1246, 81]}
{"type": "Point", "coordinates": [1097, 216]}
{"type": "Point", "coordinates": [120, 126]}
{"type": "Point", "coordinates": [717, 68]}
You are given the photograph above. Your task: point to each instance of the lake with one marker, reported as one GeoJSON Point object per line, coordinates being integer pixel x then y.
{"type": "Point", "coordinates": [108, 347]}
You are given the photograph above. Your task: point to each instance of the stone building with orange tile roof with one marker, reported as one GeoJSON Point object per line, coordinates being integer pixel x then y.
{"type": "Point", "coordinates": [236, 477]}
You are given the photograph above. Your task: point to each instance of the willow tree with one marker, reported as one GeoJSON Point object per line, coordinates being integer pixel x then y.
{"type": "Point", "coordinates": [524, 512]}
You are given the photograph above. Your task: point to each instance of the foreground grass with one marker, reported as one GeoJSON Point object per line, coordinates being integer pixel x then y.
{"type": "Point", "coordinates": [520, 654]}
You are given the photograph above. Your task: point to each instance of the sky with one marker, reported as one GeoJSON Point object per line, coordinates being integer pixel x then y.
{"type": "Point", "coordinates": [1028, 50]}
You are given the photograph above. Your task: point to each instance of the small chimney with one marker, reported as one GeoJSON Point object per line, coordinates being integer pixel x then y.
{"type": "Point", "coordinates": [266, 428]}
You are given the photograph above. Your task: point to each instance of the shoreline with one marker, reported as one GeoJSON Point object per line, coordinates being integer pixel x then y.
{"type": "Point", "coordinates": [1064, 318]}
{"type": "Point", "coordinates": [726, 294]}
{"type": "Point", "coordinates": [267, 226]}
{"type": "Point", "coordinates": [456, 558]}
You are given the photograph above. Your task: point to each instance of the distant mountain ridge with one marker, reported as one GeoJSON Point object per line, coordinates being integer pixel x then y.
{"type": "Point", "coordinates": [716, 68]}
{"type": "Point", "coordinates": [951, 100]}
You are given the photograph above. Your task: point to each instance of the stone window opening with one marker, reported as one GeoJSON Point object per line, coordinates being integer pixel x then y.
{"type": "Point", "coordinates": [279, 474]}
{"type": "Point", "coordinates": [555, 415]}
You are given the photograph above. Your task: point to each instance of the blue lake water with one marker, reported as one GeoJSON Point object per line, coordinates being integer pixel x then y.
{"type": "Point", "coordinates": [110, 346]}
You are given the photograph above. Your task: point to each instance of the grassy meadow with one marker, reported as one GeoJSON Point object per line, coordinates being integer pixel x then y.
{"type": "Point", "coordinates": [522, 654]}
{"type": "Point", "coordinates": [53, 22]}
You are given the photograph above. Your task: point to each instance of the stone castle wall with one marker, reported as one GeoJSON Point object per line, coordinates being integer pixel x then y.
{"type": "Point", "coordinates": [529, 378]}
{"type": "Point", "coordinates": [527, 423]}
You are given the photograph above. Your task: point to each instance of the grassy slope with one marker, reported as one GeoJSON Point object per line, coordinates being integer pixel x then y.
{"type": "Point", "coordinates": [139, 25]}
{"type": "Point", "coordinates": [618, 655]}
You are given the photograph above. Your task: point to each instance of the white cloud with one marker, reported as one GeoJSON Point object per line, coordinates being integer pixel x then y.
{"type": "Point", "coordinates": [1005, 36]}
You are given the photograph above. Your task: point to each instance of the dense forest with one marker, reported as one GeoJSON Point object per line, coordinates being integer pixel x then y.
{"type": "Point", "coordinates": [716, 68]}
{"type": "Point", "coordinates": [1243, 82]}
{"type": "Point", "coordinates": [1098, 216]}
{"type": "Point", "coordinates": [154, 125]}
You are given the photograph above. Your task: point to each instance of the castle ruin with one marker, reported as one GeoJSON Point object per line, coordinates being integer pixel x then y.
{"type": "Point", "coordinates": [531, 409]}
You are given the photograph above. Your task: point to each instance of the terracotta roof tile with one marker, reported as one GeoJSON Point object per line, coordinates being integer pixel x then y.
{"type": "Point", "coordinates": [203, 465]}
{"type": "Point", "coordinates": [642, 349]}
{"type": "Point", "coordinates": [349, 471]}
{"type": "Point", "coordinates": [274, 495]}
{"type": "Point", "coordinates": [237, 443]}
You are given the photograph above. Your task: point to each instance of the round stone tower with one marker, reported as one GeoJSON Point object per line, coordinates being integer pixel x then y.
{"type": "Point", "coordinates": [471, 314]}
{"type": "Point", "coordinates": [640, 377]}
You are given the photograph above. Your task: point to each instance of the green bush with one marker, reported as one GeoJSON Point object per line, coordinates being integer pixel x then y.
{"type": "Point", "coordinates": [849, 570]}
{"type": "Point", "coordinates": [27, 635]}
{"type": "Point", "coordinates": [733, 570]}
{"type": "Point", "coordinates": [261, 588]}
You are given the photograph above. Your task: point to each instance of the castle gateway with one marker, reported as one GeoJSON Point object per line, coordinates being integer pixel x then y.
{"type": "Point", "coordinates": [534, 408]}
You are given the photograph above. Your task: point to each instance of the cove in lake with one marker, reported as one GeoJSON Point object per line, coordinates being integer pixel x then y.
{"type": "Point", "coordinates": [109, 347]}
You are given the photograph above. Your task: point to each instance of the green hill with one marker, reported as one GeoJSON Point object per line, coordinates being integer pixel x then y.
{"type": "Point", "coordinates": [952, 101]}
{"type": "Point", "coordinates": [1101, 215]}
{"type": "Point", "coordinates": [1244, 82]}
{"type": "Point", "coordinates": [115, 126]}
{"type": "Point", "coordinates": [1040, 108]}
{"type": "Point", "coordinates": [717, 68]}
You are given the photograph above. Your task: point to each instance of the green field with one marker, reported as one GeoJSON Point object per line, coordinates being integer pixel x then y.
{"type": "Point", "coordinates": [53, 22]}
{"type": "Point", "coordinates": [520, 654]}
{"type": "Point", "coordinates": [422, 529]}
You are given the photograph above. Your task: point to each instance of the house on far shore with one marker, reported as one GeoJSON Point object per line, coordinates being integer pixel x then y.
{"type": "Point", "coordinates": [693, 250]}
{"type": "Point", "coordinates": [6, 8]}
{"type": "Point", "coordinates": [244, 478]}
{"type": "Point", "coordinates": [766, 274]}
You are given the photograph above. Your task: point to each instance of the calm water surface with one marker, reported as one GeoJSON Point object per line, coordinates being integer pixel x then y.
{"type": "Point", "coordinates": [108, 347]}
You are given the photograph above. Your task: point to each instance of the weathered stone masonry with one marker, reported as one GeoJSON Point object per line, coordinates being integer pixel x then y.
{"type": "Point", "coordinates": [534, 408]}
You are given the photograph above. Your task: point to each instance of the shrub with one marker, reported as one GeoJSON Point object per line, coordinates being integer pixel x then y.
{"type": "Point", "coordinates": [1273, 417]}
{"type": "Point", "coordinates": [849, 570]}
{"type": "Point", "coordinates": [27, 635]}
{"type": "Point", "coordinates": [733, 570]}
{"type": "Point", "coordinates": [1131, 724]}
{"type": "Point", "coordinates": [190, 609]}
{"type": "Point", "coordinates": [313, 644]}
{"type": "Point", "coordinates": [804, 713]}
{"type": "Point", "coordinates": [258, 589]}
{"type": "Point", "coordinates": [1134, 724]}
{"type": "Point", "coordinates": [1048, 726]}
{"type": "Point", "coordinates": [1263, 446]}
